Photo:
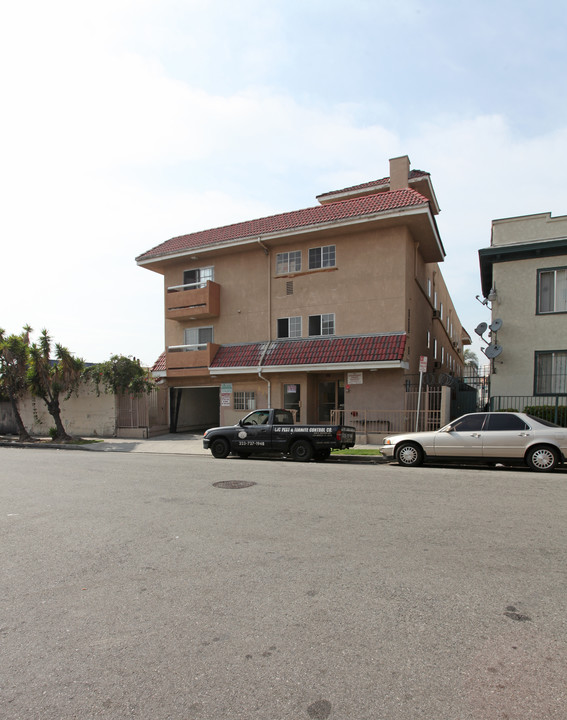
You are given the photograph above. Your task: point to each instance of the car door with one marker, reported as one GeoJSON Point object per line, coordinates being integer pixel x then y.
{"type": "Point", "coordinates": [462, 438]}
{"type": "Point", "coordinates": [254, 433]}
{"type": "Point", "coordinates": [505, 435]}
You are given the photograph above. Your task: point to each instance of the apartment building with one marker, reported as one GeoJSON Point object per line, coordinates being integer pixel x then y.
{"type": "Point", "coordinates": [328, 307]}
{"type": "Point", "coordinates": [524, 276]}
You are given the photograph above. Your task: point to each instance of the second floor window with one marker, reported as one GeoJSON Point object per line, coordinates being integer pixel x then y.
{"type": "Point", "coordinates": [198, 277]}
{"type": "Point", "coordinates": [289, 327]}
{"type": "Point", "coordinates": [322, 324]}
{"type": "Point", "coordinates": [197, 338]}
{"type": "Point", "coordinates": [552, 291]}
{"type": "Point", "coordinates": [322, 257]}
{"type": "Point", "coordinates": [288, 262]}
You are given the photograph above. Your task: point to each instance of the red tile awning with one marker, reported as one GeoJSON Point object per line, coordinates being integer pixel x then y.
{"type": "Point", "coordinates": [305, 353]}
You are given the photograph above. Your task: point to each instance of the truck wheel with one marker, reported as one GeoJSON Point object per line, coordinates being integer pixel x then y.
{"type": "Point", "coordinates": [302, 451]}
{"type": "Point", "coordinates": [220, 448]}
{"type": "Point", "coordinates": [322, 455]}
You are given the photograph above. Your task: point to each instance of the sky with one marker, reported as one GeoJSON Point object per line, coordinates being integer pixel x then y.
{"type": "Point", "coordinates": [128, 122]}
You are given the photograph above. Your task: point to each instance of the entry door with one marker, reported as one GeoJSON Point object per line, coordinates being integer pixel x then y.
{"type": "Point", "coordinates": [292, 399]}
{"type": "Point", "coordinates": [331, 397]}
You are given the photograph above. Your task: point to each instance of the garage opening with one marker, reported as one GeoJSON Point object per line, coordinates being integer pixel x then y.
{"type": "Point", "coordinates": [194, 409]}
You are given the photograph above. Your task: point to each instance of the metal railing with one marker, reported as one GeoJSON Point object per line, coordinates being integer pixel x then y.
{"type": "Point", "coordinates": [187, 286]}
{"type": "Point", "coordinates": [550, 407]}
{"type": "Point", "coordinates": [386, 422]}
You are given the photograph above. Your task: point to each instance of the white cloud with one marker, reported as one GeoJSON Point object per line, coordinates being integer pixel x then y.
{"type": "Point", "coordinates": [106, 153]}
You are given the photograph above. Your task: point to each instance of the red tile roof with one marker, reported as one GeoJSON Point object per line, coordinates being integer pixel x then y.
{"type": "Point", "coordinates": [297, 219]}
{"type": "Point", "coordinates": [159, 365]}
{"type": "Point", "coordinates": [312, 351]}
{"type": "Point", "coordinates": [383, 182]}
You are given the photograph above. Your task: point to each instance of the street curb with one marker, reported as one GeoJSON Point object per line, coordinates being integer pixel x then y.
{"type": "Point", "coordinates": [95, 447]}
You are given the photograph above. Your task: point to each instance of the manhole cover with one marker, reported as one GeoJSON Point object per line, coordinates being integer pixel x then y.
{"type": "Point", "coordinates": [233, 484]}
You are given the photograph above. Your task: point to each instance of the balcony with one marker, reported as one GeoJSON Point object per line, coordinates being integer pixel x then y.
{"type": "Point", "coordinates": [183, 360]}
{"type": "Point", "coordinates": [194, 301]}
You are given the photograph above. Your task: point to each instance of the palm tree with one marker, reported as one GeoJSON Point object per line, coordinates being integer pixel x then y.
{"type": "Point", "coordinates": [48, 378]}
{"type": "Point", "coordinates": [14, 360]}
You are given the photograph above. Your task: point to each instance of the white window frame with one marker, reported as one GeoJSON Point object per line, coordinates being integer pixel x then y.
{"type": "Point", "coordinates": [325, 253]}
{"type": "Point", "coordinates": [326, 325]}
{"type": "Point", "coordinates": [294, 324]}
{"type": "Point", "coordinates": [193, 339]}
{"type": "Point", "coordinates": [288, 262]}
{"type": "Point", "coordinates": [244, 400]}
{"type": "Point", "coordinates": [205, 274]}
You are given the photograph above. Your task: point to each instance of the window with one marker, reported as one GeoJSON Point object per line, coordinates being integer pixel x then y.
{"type": "Point", "coordinates": [428, 339]}
{"type": "Point", "coordinates": [468, 423]}
{"type": "Point", "coordinates": [322, 257]}
{"type": "Point", "coordinates": [441, 311]}
{"type": "Point", "coordinates": [552, 291]}
{"type": "Point", "coordinates": [505, 421]}
{"type": "Point", "coordinates": [288, 262]}
{"type": "Point", "coordinates": [322, 324]}
{"type": "Point", "coordinates": [551, 373]}
{"type": "Point", "coordinates": [199, 276]}
{"type": "Point", "coordinates": [197, 338]}
{"type": "Point", "coordinates": [435, 349]}
{"type": "Point", "coordinates": [289, 327]}
{"type": "Point", "coordinates": [428, 287]}
{"type": "Point", "coordinates": [244, 400]}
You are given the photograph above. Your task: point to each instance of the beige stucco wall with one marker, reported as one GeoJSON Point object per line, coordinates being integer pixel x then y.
{"type": "Point", "coordinates": [528, 228]}
{"type": "Point", "coordinates": [84, 414]}
{"type": "Point", "coordinates": [523, 332]}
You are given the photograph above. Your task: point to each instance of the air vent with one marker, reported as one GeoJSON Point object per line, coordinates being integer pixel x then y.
{"type": "Point", "coordinates": [289, 287]}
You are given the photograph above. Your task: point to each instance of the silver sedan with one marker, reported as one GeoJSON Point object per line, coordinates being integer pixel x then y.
{"type": "Point", "coordinates": [491, 437]}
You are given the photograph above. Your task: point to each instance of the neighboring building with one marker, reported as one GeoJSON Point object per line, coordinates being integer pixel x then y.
{"type": "Point", "coordinates": [314, 310]}
{"type": "Point", "coordinates": [524, 276]}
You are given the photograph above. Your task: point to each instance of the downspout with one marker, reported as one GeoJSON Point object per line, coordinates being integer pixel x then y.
{"type": "Point", "coordinates": [264, 351]}
{"type": "Point", "coordinates": [267, 253]}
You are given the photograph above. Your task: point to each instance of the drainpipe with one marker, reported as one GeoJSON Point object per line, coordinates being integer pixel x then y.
{"type": "Point", "coordinates": [264, 351]}
{"type": "Point", "coordinates": [267, 253]}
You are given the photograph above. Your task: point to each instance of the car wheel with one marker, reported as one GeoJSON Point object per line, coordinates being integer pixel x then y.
{"type": "Point", "coordinates": [542, 458]}
{"type": "Point", "coordinates": [302, 451]}
{"type": "Point", "coordinates": [409, 455]}
{"type": "Point", "coordinates": [220, 448]}
{"type": "Point", "coordinates": [322, 455]}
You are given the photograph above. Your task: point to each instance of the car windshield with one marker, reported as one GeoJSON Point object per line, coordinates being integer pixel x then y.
{"type": "Point", "coordinates": [541, 421]}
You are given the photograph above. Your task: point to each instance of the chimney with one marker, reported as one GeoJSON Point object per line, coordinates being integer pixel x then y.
{"type": "Point", "coordinates": [399, 172]}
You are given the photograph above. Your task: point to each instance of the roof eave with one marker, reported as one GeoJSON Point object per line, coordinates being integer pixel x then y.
{"type": "Point", "coordinates": [305, 229]}
{"type": "Point", "coordinates": [315, 367]}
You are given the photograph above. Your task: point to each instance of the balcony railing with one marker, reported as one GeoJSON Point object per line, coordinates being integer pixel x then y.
{"type": "Point", "coordinates": [183, 360]}
{"type": "Point", "coordinates": [192, 301]}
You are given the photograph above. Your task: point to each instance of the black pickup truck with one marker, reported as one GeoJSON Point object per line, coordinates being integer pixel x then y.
{"type": "Point", "coordinates": [273, 431]}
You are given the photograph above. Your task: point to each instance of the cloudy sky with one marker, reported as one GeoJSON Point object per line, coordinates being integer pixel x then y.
{"type": "Point", "coordinates": [127, 122]}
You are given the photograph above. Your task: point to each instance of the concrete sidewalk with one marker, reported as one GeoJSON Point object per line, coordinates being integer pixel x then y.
{"type": "Point", "coordinates": [169, 444]}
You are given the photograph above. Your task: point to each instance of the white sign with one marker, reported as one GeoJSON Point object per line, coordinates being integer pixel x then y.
{"type": "Point", "coordinates": [423, 364]}
{"type": "Point", "coordinates": [354, 378]}
{"type": "Point", "coordinates": [291, 389]}
{"type": "Point", "coordinates": [225, 399]}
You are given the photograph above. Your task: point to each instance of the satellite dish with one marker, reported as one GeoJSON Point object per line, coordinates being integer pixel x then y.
{"type": "Point", "coordinates": [496, 325]}
{"type": "Point", "coordinates": [480, 329]}
{"type": "Point", "coordinates": [492, 351]}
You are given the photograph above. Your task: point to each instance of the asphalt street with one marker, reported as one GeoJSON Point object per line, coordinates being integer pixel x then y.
{"type": "Point", "coordinates": [134, 586]}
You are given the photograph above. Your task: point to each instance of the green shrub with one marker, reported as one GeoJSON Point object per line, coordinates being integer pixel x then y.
{"type": "Point", "coordinates": [551, 413]}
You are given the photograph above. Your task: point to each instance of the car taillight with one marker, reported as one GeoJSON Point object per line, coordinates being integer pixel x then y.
{"type": "Point", "coordinates": [339, 435]}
